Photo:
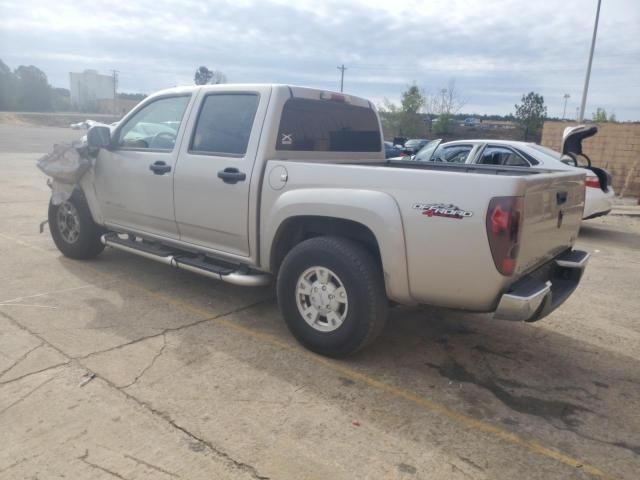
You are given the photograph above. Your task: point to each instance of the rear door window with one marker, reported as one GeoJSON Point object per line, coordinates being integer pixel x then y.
{"type": "Point", "coordinates": [224, 124]}
{"type": "Point", "coordinates": [327, 126]}
{"type": "Point", "coordinates": [452, 153]}
{"type": "Point", "coordinates": [502, 156]}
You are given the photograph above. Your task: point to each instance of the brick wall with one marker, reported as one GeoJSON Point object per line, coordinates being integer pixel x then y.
{"type": "Point", "coordinates": [616, 147]}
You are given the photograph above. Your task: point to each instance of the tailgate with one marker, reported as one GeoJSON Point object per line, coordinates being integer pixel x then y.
{"type": "Point", "coordinates": [553, 207]}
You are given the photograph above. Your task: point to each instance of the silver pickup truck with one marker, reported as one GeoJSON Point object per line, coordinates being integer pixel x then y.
{"type": "Point", "coordinates": [253, 183]}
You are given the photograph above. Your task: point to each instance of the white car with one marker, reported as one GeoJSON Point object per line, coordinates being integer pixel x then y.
{"type": "Point", "coordinates": [599, 191]}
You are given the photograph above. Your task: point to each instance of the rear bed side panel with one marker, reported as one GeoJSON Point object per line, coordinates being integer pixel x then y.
{"type": "Point", "coordinates": [376, 210]}
{"type": "Point", "coordinates": [447, 261]}
{"type": "Point", "coordinates": [450, 263]}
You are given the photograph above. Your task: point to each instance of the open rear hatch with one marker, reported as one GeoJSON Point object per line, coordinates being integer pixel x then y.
{"type": "Point", "coordinates": [572, 138]}
{"type": "Point", "coordinates": [553, 208]}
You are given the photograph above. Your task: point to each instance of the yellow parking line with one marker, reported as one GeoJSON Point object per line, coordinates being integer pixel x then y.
{"type": "Point", "coordinates": [341, 368]}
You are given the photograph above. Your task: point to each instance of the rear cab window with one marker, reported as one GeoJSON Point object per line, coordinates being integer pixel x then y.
{"type": "Point", "coordinates": [224, 124]}
{"type": "Point", "coordinates": [309, 125]}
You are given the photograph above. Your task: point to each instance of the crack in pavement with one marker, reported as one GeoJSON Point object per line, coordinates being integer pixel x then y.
{"type": "Point", "coordinates": [63, 290]}
{"type": "Point", "coordinates": [152, 466]}
{"type": "Point", "coordinates": [6, 382]}
{"type": "Point", "coordinates": [20, 359]}
{"type": "Point", "coordinates": [222, 455]}
{"type": "Point", "coordinates": [84, 458]}
{"type": "Point", "coordinates": [201, 443]}
{"type": "Point", "coordinates": [171, 330]}
{"type": "Point", "coordinates": [153, 361]}
{"type": "Point", "coordinates": [24, 397]}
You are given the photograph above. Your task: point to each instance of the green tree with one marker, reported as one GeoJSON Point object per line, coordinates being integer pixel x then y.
{"type": "Point", "coordinates": [442, 124]}
{"type": "Point", "coordinates": [61, 100]}
{"type": "Point", "coordinates": [600, 115]}
{"type": "Point", "coordinates": [34, 92]}
{"type": "Point", "coordinates": [405, 119]}
{"type": "Point", "coordinates": [8, 88]}
{"type": "Point", "coordinates": [204, 76]}
{"type": "Point", "coordinates": [530, 114]}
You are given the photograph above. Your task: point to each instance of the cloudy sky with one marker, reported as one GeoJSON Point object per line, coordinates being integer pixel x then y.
{"type": "Point", "coordinates": [495, 50]}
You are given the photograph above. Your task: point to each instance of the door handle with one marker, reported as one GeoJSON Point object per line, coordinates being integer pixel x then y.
{"type": "Point", "coordinates": [160, 167]}
{"type": "Point", "coordinates": [561, 197]}
{"type": "Point", "coordinates": [232, 175]}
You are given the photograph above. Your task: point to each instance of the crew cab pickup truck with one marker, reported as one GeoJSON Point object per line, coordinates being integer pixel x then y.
{"type": "Point", "coordinates": [250, 184]}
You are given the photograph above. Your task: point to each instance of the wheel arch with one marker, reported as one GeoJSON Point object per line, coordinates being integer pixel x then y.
{"type": "Point", "coordinates": [371, 218]}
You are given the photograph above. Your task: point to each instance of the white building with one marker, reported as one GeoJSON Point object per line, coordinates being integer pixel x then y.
{"type": "Point", "coordinates": [88, 87]}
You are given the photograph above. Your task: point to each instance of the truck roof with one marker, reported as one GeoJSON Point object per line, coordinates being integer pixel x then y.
{"type": "Point", "coordinates": [294, 91]}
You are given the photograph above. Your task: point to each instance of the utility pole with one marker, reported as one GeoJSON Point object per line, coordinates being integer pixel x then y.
{"type": "Point", "coordinates": [564, 109]}
{"type": "Point", "coordinates": [586, 80]}
{"type": "Point", "coordinates": [342, 68]}
{"type": "Point", "coordinates": [115, 89]}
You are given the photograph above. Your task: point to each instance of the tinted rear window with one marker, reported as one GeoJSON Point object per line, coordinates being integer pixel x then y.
{"type": "Point", "coordinates": [224, 124]}
{"type": "Point", "coordinates": [327, 126]}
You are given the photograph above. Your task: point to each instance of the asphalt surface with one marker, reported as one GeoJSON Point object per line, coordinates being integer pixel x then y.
{"type": "Point", "coordinates": [197, 379]}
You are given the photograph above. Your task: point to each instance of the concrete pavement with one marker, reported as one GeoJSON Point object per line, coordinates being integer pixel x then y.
{"type": "Point", "coordinates": [197, 379]}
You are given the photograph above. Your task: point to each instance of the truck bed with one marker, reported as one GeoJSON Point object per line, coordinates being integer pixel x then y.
{"type": "Point", "coordinates": [448, 260]}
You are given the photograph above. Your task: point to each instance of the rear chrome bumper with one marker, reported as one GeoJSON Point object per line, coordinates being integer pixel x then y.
{"type": "Point", "coordinates": [539, 293]}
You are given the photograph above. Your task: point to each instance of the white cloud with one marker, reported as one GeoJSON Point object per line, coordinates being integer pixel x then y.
{"type": "Point", "coordinates": [495, 50]}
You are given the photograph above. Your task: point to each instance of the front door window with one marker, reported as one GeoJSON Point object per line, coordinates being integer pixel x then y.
{"type": "Point", "coordinates": [155, 126]}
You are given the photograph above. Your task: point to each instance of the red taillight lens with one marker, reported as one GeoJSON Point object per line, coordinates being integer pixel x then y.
{"type": "Point", "coordinates": [592, 182]}
{"type": "Point", "coordinates": [499, 220]}
{"type": "Point", "coordinates": [503, 231]}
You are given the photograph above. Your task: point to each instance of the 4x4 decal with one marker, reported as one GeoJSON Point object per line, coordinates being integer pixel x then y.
{"type": "Point", "coordinates": [446, 210]}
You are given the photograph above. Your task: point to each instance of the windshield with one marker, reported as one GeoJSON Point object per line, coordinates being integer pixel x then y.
{"type": "Point", "coordinates": [425, 153]}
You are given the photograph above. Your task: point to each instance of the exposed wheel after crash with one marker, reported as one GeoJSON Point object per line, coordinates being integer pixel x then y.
{"type": "Point", "coordinates": [73, 230]}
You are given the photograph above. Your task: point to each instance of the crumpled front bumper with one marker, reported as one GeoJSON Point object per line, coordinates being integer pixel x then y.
{"type": "Point", "coordinates": [542, 291]}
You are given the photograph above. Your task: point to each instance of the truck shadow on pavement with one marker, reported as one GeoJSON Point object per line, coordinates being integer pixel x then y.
{"type": "Point", "coordinates": [527, 369]}
{"type": "Point", "coordinates": [527, 378]}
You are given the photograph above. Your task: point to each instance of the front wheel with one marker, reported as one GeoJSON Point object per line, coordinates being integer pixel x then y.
{"type": "Point", "coordinates": [331, 294]}
{"type": "Point", "coordinates": [73, 230]}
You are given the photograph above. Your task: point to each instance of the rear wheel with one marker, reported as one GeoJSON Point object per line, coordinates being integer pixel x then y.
{"type": "Point", "coordinates": [331, 294]}
{"type": "Point", "coordinates": [73, 230]}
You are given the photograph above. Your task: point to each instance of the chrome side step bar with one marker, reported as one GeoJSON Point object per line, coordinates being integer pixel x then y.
{"type": "Point", "coordinates": [166, 257]}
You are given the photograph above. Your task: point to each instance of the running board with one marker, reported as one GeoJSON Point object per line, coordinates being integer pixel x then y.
{"type": "Point", "coordinates": [196, 264]}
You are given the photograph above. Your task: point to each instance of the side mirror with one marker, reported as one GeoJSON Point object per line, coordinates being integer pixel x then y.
{"type": "Point", "coordinates": [99, 136]}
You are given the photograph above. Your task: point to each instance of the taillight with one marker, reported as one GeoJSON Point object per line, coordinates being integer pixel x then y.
{"type": "Point", "coordinates": [592, 182]}
{"type": "Point", "coordinates": [504, 223]}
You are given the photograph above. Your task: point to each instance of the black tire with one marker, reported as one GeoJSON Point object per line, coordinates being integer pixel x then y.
{"type": "Point", "coordinates": [87, 244]}
{"type": "Point", "coordinates": [361, 277]}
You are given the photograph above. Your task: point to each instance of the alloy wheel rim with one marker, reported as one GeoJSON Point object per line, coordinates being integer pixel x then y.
{"type": "Point", "coordinates": [68, 222]}
{"type": "Point", "coordinates": [322, 299]}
